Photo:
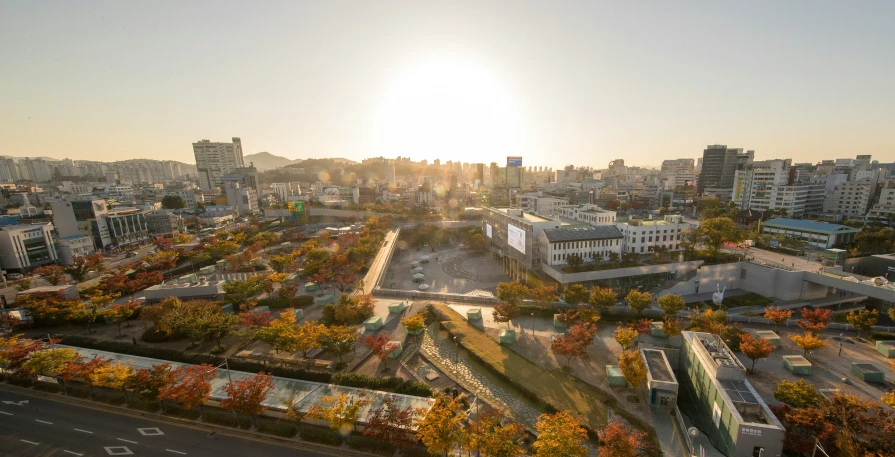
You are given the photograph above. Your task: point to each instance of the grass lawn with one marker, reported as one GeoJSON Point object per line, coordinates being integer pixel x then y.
{"type": "Point", "coordinates": [557, 388]}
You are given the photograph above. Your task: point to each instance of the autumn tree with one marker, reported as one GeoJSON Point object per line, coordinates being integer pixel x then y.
{"type": "Point", "coordinates": [561, 435]}
{"type": "Point", "coordinates": [544, 296]}
{"type": "Point", "coordinates": [642, 327]}
{"type": "Point", "coordinates": [245, 395]}
{"type": "Point", "coordinates": [505, 312]}
{"type": "Point", "coordinates": [415, 323]}
{"type": "Point", "coordinates": [81, 265]}
{"type": "Point", "coordinates": [49, 362]}
{"type": "Point", "coordinates": [777, 316]}
{"type": "Point", "coordinates": [489, 437]}
{"type": "Point", "coordinates": [338, 339]}
{"type": "Point", "coordinates": [340, 411]}
{"type": "Point", "coordinates": [282, 263]}
{"type": "Point", "coordinates": [193, 386]}
{"type": "Point", "coordinates": [239, 292]}
{"type": "Point", "coordinates": [638, 301]}
{"type": "Point", "coordinates": [148, 382]}
{"type": "Point", "coordinates": [441, 427]}
{"type": "Point", "coordinates": [671, 304]}
{"type": "Point", "coordinates": [619, 440]}
{"type": "Point", "coordinates": [602, 298]}
{"type": "Point", "coordinates": [575, 294]}
{"type": "Point", "coordinates": [351, 309]}
{"type": "Point", "coordinates": [862, 320]}
{"type": "Point", "coordinates": [389, 423]}
{"type": "Point", "coordinates": [709, 321]}
{"type": "Point", "coordinates": [53, 274]}
{"type": "Point", "coordinates": [671, 326]}
{"type": "Point", "coordinates": [632, 367]}
{"type": "Point", "coordinates": [574, 343]}
{"type": "Point", "coordinates": [307, 337]}
{"type": "Point", "coordinates": [162, 244]}
{"type": "Point", "coordinates": [799, 394]}
{"type": "Point", "coordinates": [379, 345]}
{"type": "Point", "coordinates": [83, 369]}
{"type": "Point", "coordinates": [814, 320]}
{"type": "Point", "coordinates": [512, 292]}
{"type": "Point", "coordinates": [15, 351]}
{"type": "Point", "coordinates": [281, 334]}
{"type": "Point", "coordinates": [96, 305]}
{"type": "Point", "coordinates": [808, 342]}
{"type": "Point", "coordinates": [755, 348]}
{"type": "Point", "coordinates": [120, 313]}
{"type": "Point", "coordinates": [625, 337]}
{"type": "Point", "coordinates": [112, 375]}
{"type": "Point", "coordinates": [575, 261]}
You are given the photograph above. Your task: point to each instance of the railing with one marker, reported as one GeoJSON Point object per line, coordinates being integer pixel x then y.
{"type": "Point", "coordinates": [794, 322]}
{"type": "Point", "coordinates": [682, 427]}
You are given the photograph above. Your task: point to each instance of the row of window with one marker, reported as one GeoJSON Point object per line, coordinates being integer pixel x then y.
{"type": "Point", "coordinates": [585, 244]}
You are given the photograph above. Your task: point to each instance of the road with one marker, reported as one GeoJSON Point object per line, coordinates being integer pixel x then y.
{"type": "Point", "coordinates": [33, 426]}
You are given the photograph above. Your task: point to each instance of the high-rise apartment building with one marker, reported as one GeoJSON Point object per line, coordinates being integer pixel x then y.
{"type": "Point", "coordinates": [719, 166]}
{"type": "Point", "coordinates": [214, 160]}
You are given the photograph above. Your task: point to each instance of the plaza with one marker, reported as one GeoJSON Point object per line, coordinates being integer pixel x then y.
{"type": "Point", "coordinates": [446, 270]}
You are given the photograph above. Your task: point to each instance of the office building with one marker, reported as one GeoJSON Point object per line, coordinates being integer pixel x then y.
{"type": "Point", "coordinates": [25, 247]}
{"type": "Point", "coordinates": [214, 160]}
{"type": "Point", "coordinates": [587, 213]}
{"type": "Point", "coordinates": [884, 208]}
{"type": "Point", "coordinates": [850, 199]}
{"type": "Point", "coordinates": [721, 403]}
{"type": "Point", "coordinates": [191, 198]}
{"type": "Point", "coordinates": [163, 223]}
{"type": "Point", "coordinates": [771, 184]}
{"type": "Point", "coordinates": [510, 235]}
{"type": "Point", "coordinates": [540, 204]}
{"type": "Point", "coordinates": [72, 246]}
{"type": "Point", "coordinates": [816, 234]}
{"type": "Point", "coordinates": [719, 165]}
{"type": "Point", "coordinates": [286, 190]}
{"type": "Point", "coordinates": [645, 236]}
{"type": "Point", "coordinates": [592, 244]}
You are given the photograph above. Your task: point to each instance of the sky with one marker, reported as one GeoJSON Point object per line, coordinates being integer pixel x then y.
{"type": "Point", "coordinates": [554, 82]}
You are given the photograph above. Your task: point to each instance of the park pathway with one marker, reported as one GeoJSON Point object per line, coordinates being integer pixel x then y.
{"type": "Point", "coordinates": [443, 354]}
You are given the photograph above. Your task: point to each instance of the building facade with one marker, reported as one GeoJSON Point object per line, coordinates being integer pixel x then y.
{"type": "Point", "coordinates": [24, 247]}
{"type": "Point", "coordinates": [815, 234]}
{"type": "Point", "coordinates": [644, 236]}
{"type": "Point", "coordinates": [511, 236]}
{"type": "Point", "coordinates": [214, 160]}
{"type": "Point", "coordinates": [592, 244]}
{"type": "Point", "coordinates": [850, 199]}
{"type": "Point", "coordinates": [163, 223]}
{"type": "Point", "coordinates": [587, 213]}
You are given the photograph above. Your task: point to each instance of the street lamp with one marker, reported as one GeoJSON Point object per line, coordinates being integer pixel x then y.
{"type": "Point", "coordinates": [456, 351]}
{"type": "Point", "coordinates": [532, 324]}
{"type": "Point", "coordinates": [841, 337]}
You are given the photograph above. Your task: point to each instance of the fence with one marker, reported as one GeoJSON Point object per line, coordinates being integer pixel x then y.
{"type": "Point", "coordinates": [794, 322]}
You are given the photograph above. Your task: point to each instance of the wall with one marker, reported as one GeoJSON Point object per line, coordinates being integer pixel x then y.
{"type": "Point", "coordinates": [680, 268]}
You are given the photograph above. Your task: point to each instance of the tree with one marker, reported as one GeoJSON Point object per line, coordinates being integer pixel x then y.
{"type": "Point", "coordinates": [671, 326]}
{"type": "Point", "coordinates": [162, 244]}
{"type": "Point", "coordinates": [344, 278]}
{"type": "Point", "coordinates": [307, 337]}
{"type": "Point", "coordinates": [414, 323]}
{"type": "Point", "coordinates": [814, 320]}
{"type": "Point", "coordinates": [709, 321]}
{"type": "Point", "coordinates": [641, 326]}
{"type": "Point", "coordinates": [632, 367]}
{"type": "Point", "coordinates": [246, 394]}
{"type": "Point", "coordinates": [755, 348]}
{"type": "Point", "coordinates": [543, 295]}
{"type": "Point", "coordinates": [81, 265]}
{"type": "Point", "coordinates": [808, 342]}
{"type": "Point", "coordinates": [340, 411]}
{"type": "Point", "coordinates": [83, 369]}
{"type": "Point", "coordinates": [862, 320]}
{"type": "Point", "coordinates": [148, 382]}
{"type": "Point", "coordinates": [505, 312]}
{"type": "Point", "coordinates": [512, 292]}
{"type": "Point", "coordinates": [625, 337]}
{"type": "Point", "coordinates": [339, 339]}
{"type": "Point", "coordinates": [193, 386]}
{"type": "Point", "coordinates": [718, 230]}
{"type": "Point", "coordinates": [379, 345]}
{"type": "Point", "coordinates": [49, 362]}
{"type": "Point", "coordinates": [53, 274]}
{"type": "Point", "coordinates": [777, 316]}
{"type": "Point", "coordinates": [352, 309]}
{"type": "Point", "coordinates": [575, 261]}
{"type": "Point", "coordinates": [575, 294]}
{"type": "Point", "coordinates": [281, 334]}
{"type": "Point", "coordinates": [574, 343]}
{"type": "Point", "coordinates": [173, 202]}
{"type": "Point", "coordinates": [15, 351]}
{"type": "Point", "coordinates": [96, 305]}
{"type": "Point", "coordinates": [282, 263]}
{"type": "Point", "coordinates": [560, 435]}
{"type": "Point", "coordinates": [602, 298]}
{"type": "Point", "coordinates": [391, 424]}
{"type": "Point", "coordinates": [489, 438]}
{"type": "Point", "coordinates": [799, 394]}
{"type": "Point", "coordinates": [638, 301]}
{"type": "Point", "coordinates": [442, 426]}
{"type": "Point", "coordinates": [671, 304]}
{"type": "Point", "coordinates": [113, 375]}
{"type": "Point", "coordinates": [120, 313]}
{"type": "Point", "coordinates": [619, 440]}
{"type": "Point", "coordinates": [239, 292]}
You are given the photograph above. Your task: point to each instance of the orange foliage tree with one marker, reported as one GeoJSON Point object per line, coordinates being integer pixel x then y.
{"type": "Point", "coordinates": [755, 348]}
{"type": "Point", "coordinates": [777, 316]}
{"type": "Point", "coordinates": [193, 386]}
{"type": "Point", "coordinates": [814, 320]}
{"type": "Point", "coordinates": [618, 440]}
{"type": "Point", "coordinates": [245, 395]}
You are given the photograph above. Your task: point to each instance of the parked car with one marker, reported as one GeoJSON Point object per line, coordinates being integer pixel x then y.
{"type": "Point", "coordinates": [130, 254]}
{"type": "Point", "coordinates": [15, 276]}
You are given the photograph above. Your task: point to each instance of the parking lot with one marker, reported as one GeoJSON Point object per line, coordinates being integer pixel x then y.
{"type": "Point", "coordinates": [447, 270]}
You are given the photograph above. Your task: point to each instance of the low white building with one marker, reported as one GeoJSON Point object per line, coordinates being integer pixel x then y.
{"type": "Point", "coordinates": [185, 291]}
{"type": "Point", "coordinates": [73, 246]}
{"type": "Point", "coordinates": [23, 247]}
{"type": "Point", "coordinates": [643, 236]}
{"type": "Point", "coordinates": [190, 197]}
{"type": "Point", "coordinates": [540, 204]}
{"type": "Point", "coordinates": [588, 242]}
{"type": "Point", "coordinates": [587, 213]}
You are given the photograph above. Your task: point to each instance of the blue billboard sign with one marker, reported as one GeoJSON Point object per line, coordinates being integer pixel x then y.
{"type": "Point", "coordinates": [514, 161]}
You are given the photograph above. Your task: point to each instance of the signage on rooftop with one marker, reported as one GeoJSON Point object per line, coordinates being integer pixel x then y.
{"type": "Point", "coordinates": [514, 161]}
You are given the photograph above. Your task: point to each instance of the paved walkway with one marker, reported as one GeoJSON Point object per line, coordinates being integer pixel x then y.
{"type": "Point", "coordinates": [443, 354]}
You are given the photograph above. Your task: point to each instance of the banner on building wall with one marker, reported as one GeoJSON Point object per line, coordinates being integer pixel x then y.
{"type": "Point", "coordinates": [488, 230]}
{"type": "Point", "coordinates": [516, 238]}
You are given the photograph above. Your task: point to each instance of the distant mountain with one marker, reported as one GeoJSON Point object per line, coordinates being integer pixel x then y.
{"type": "Point", "coordinates": [266, 161]}
{"type": "Point", "coordinates": [343, 161]}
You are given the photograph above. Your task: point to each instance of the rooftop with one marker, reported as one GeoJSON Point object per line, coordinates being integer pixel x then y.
{"type": "Point", "coordinates": [582, 233]}
{"type": "Point", "coordinates": [519, 214]}
{"type": "Point", "coordinates": [657, 366]}
{"type": "Point", "coordinates": [808, 225]}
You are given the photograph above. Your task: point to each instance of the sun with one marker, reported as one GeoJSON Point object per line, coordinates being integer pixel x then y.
{"type": "Point", "coordinates": [450, 109]}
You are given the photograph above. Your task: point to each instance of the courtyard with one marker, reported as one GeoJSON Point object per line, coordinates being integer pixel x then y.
{"type": "Point", "coordinates": [447, 269]}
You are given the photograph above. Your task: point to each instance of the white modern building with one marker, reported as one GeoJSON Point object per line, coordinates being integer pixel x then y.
{"type": "Point", "coordinates": [643, 236]}
{"type": "Point", "coordinates": [769, 185]}
{"type": "Point", "coordinates": [850, 199]}
{"type": "Point", "coordinates": [23, 247]}
{"type": "Point", "coordinates": [587, 213]}
{"type": "Point", "coordinates": [592, 244]}
{"type": "Point", "coordinates": [216, 159]}
{"type": "Point", "coordinates": [540, 204]}
{"type": "Point", "coordinates": [73, 246]}
{"type": "Point", "coordinates": [884, 208]}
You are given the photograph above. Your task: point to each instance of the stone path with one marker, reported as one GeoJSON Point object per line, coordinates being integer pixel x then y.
{"type": "Point", "coordinates": [443, 354]}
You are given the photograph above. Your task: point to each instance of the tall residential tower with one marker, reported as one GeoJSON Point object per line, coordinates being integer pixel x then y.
{"type": "Point", "coordinates": [216, 159]}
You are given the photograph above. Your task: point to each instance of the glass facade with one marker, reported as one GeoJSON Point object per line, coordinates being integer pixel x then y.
{"type": "Point", "coordinates": [701, 401]}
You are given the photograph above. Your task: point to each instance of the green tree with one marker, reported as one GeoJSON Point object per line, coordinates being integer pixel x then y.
{"type": "Point", "coordinates": [799, 394]}
{"type": "Point", "coordinates": [575, 261]}
{"type": "Point", "coordinates": [602, 298]}
{"type": "Point", "coordinates": [716, 231]}
{"type": "Point", "coordinates": [862, 320]}
{"type": "Point", "coordinates": [239, 292]}
{"type": "Point", "coordinates": [575, 294]}
{"type": "Point", "coordinates": [173, 202]}
{"type": "Point", "coordinates": [638, 301]}
{"type": "Point", "coordinates": [671, 304]}
{"type": "Point", "coordinates": [512, 292]}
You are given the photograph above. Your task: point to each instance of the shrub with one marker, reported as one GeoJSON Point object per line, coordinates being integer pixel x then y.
{"type": "Point", "coordinates": [178, 411]}
{"type": "Point", "coordinates": [299, 301]}
{"type": "Point", "coordinates": [389, 383]}
{"type": "Point", "coordinates": [47, 387]}
{"type": "Point", "coordinates": [321, 436]}
{"type": "Point", "coordinates": [363, 443]}
{"type": "Point", "coordinates": [149, 406]}
{"type": "Point", "coordinates": [226, 419]}
{"type": "Point", "coordinates": [284, 429]}
{"type": "Point", "coordinates": [20, 381]}
{"type": "Point", "coordinates": [153, 336]}
{"type": "Point", "coordinates": [881, 336]}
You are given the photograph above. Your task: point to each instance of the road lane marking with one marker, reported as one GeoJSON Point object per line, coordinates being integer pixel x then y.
{"type": "Point", "coordinates": [83, 431]}
{"type": "Point", "coordinates": [118, 450]}
{"type": "Point", "coordinates": [6, 413]}
{"type": "Point", "coordinates": [150, 431]}
{"type": "Point", "coordinates": [75, 453]}
{"type": "Point", "coordinates": [43, 422]}
{"type": "Point", "coordinates": [29, 442]}
{"type": "Point", "coordinates": [126, 441]}
{"type": "Point", "coordinates": [176, 452]}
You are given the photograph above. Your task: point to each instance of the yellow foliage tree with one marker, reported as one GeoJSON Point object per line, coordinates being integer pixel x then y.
{"type": "Point", "coordinates": [50, 361]}
{"type": "Point", "coordinates": [112, 375]}
{"type": "Point", "coordinates": [441, 428]}
{"type": "Point", "coordinates": [808, 342]}
{"type": "Point", "coordinates": [560, 435]}
{"type": "Point", "coordinates": [625, 337]}
{"type": "Point", "coordinates": [340, 411]}
{"type": "Point", "coordinates": [632, 367]}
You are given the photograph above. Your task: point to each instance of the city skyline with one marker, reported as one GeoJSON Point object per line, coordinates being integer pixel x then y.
{"type": "Point", "coordinates": [466, 82]}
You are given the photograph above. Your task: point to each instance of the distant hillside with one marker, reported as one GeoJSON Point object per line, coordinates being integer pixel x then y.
{"type": "Point", "coordinates": [267, 161]}
{"type": "Point", "coordinates": [344, 161]}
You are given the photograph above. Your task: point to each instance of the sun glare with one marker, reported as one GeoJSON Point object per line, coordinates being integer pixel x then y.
{"type": "Point", "coordinates": [451, 109]}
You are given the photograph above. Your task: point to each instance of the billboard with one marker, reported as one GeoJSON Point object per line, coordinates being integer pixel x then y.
{"type": "Point", "coordinates": [296, 207]}
{"type": "Point", "coordinates": [488, 230]}
{"type": "Point", "coordinates": [516, 238]}
{"type": "Point", "coordinates": [514, 161]}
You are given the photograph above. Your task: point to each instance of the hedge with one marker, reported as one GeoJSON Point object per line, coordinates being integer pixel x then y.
{"type": "Point", "coordinates": [284, 429]}
{"type": "Point", "coordinates": [194, 358]}
{"type": "Point", "coordinates": [179, 411]}
{"type": "Point", "coordinates": [389, 383]}
{"type": "Point", "coordinates": [881, 336]}
{"type": "Point", "coordinates": [320, 436]}
{"type": "Point", "coordinates": [415, 451]}
{"type": "Point", "coordinates": [148, 406]}
{"type": "Point", "coordinates": [299, 301]}
{"type": "Point", "coordinates": [226, 419]}
{"type": "Point", "coordinates": [363, 443]}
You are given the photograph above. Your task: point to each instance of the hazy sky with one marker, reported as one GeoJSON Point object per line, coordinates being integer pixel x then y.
{"type": "Point", "coordinates": [555, 82]}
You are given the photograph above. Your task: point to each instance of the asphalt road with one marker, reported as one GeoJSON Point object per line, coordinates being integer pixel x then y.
{"type": "Point", "coordinates": [40, 427]}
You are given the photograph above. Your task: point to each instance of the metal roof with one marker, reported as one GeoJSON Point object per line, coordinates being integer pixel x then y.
{"type": "Point", "coordinates": [582, 233]}
{"type": "Point", "coordinates": [808, 225]}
